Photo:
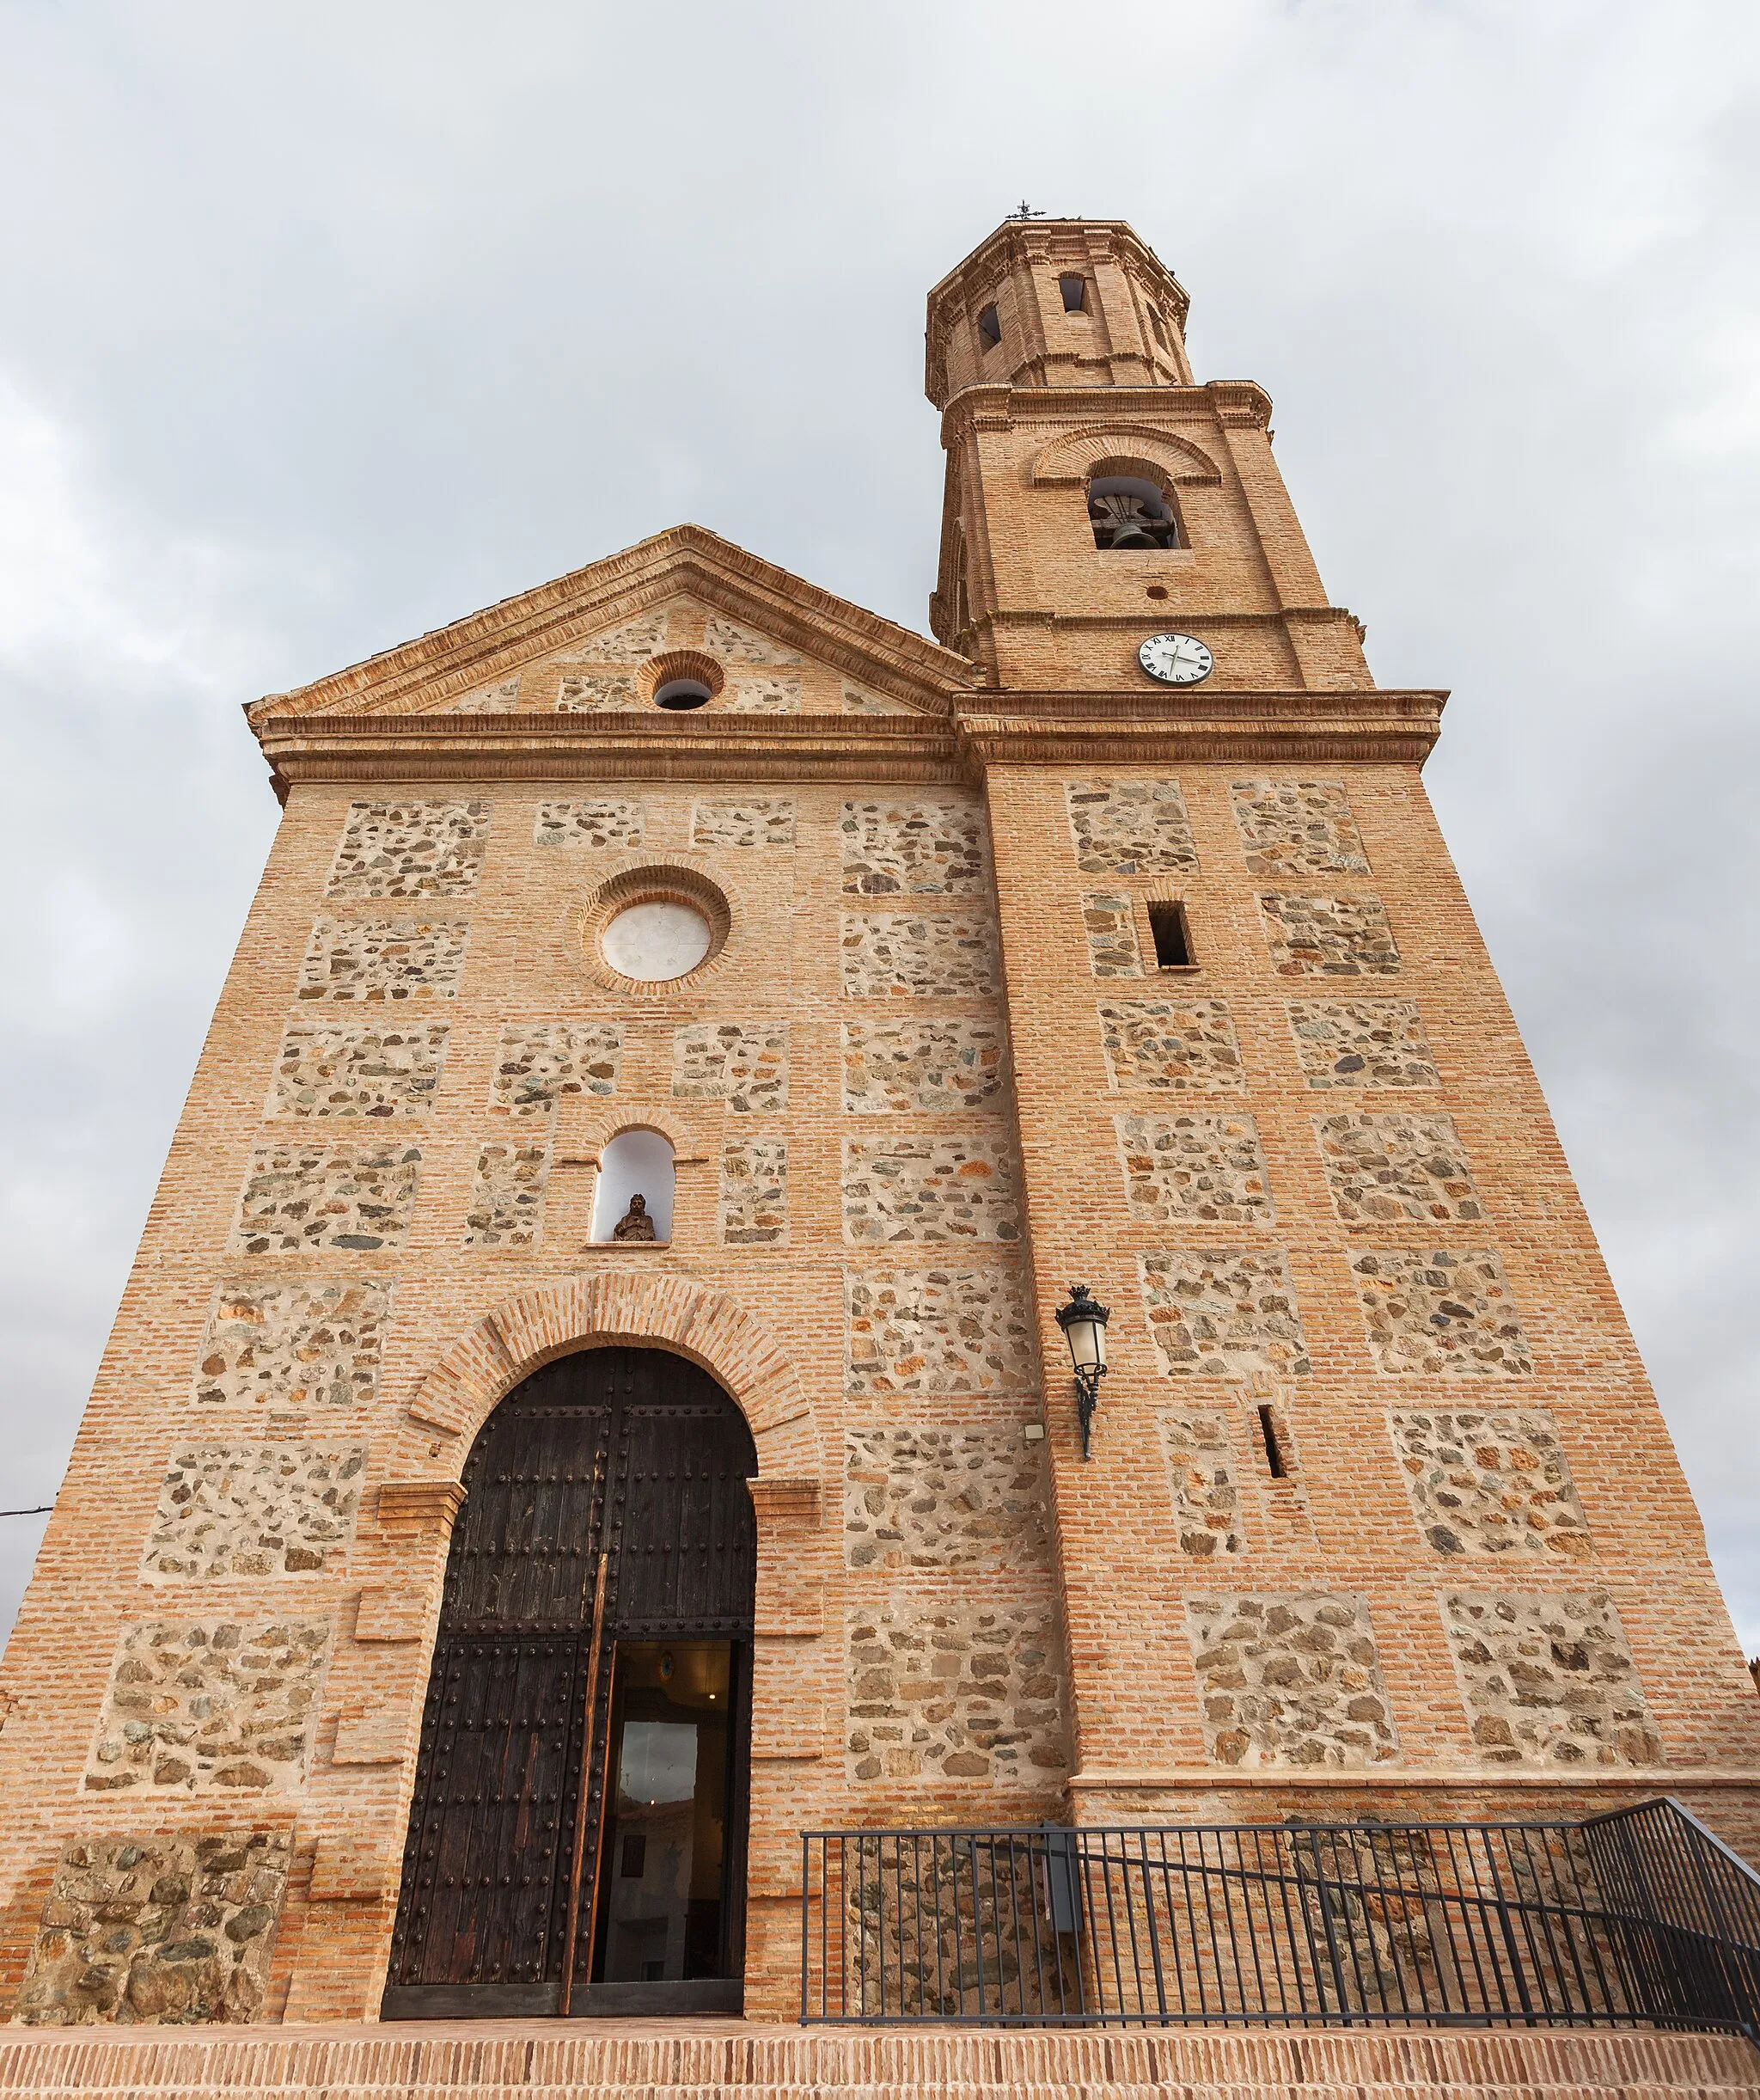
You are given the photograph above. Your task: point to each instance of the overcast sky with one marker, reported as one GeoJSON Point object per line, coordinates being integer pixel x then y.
{"type": "Point", "coordinates": [321, 326]}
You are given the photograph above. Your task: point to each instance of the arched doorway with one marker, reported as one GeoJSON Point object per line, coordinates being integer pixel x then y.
{"type": "Point", "coordinates": [576, 1837]}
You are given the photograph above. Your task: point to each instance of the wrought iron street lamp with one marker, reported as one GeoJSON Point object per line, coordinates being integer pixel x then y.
{"type": "Point", "coordinates": [1083, 1323]}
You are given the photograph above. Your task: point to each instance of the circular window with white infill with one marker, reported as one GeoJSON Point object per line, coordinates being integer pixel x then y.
{"type": "Point", "coordinates": [653, 926]}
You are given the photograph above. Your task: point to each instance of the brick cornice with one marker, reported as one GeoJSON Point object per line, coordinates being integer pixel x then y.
{"type": "Point", "coordinates": [1058, 729]}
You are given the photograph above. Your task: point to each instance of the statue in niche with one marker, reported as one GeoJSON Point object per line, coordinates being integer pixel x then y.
{"type": "Point", "coordinates": [635, 1223]}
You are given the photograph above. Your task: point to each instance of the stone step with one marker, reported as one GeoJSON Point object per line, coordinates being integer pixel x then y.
{"type": "Point", "coordinates": [647, 2060]}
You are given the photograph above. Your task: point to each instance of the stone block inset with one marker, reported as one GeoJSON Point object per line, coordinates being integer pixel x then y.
{"type": "Point", "coordinates": [1366, 1043]}
{"type": "Point", "coordinates": [1549, 1680]}
{"type": "Point", "coordinates": [537, 1062]}
{"type": "Point", "coordinates": [945, 1498]}
{"type": "Point", "coordinates": [275, 1509]}
{"type": "Point", "coordinates": [931, 955]}
{"type": "Point", "coordinates": [293, 1345]}
{"type": "Point", "coordinates": [410, 850]}
{"type": "Point", "coordinates": [633, 642]}
{"type": "Point", "coordinates": [744, 820]}
{"type": "Point", "coordinates": [1208, 1168]}
{"type": "Point", "coordinates": [1290, 1681]}
{"type": "Point", "coordinates": [720, 1061]}
{"type": "Point", "coordinates": [929, 1067]}
{"type": "Point", "coordinates": [1223, 1312]}
{"type": "Point", "coordinates": [754, 1200]}
{"type": "Point", "coordinates": [359, 1069]}
{"type": "Point", "coordinates": [1432, 1310]}
{"type": "Point", "coordinates": [601, 822]}
{"type": "Point", "coordinates": [937, 1330]}
{"type": "Point", "coordinates": [959, 1690]}
{"type": "Point", "coordinates": [735, 644]}
{"type": "Point", "coordinates": [152, 1929]}
{"type": "Point", "coordinates": [499, 699]}
{"type": "Point", "coordinates": [1381, 1168]}
{"type": "Point", "coordinates": [1111, 928]}
{"type": "Point", "coordinates": [929, 1189]}
{"type": "Point", "coordinates": [507, 1196]}
{"type": "Point", "coordinates": [194, 1705]}
{"type": "Point", "coordinates": [920, 848]}
{"type": "Point", "coordinates": [1130, 828]}
{"type": "Point", "coordinates": [764, 696]}
{"type": "Point", "coordinates": [1201, 1475]}
{"type": "Point", "coordinates": [1185, 1045]}
{"type": "Point", "coordinates": [1490, 1484]}
{"type": "Point", "coordinates": [1329, 936]}
{"type": "Point", "coordinates": [596, 692]}
{"type": "Point", "coordinates": [376, 960]}
{"type": "Point", "coordinates": [1296, 828]}
{"type": "Point", "coordinates": [302, 1198]}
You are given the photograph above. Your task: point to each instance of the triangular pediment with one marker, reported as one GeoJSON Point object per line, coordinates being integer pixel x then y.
{"type": "Point", "coordinates": [593, 642]}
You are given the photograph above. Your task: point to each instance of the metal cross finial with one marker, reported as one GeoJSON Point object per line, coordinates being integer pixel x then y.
{"type": "Point", "coordinates": [1024, 210]}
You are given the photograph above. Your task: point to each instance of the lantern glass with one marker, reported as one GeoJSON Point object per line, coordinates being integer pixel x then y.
{"type": "Point", "coordinates": [1087, 1344]}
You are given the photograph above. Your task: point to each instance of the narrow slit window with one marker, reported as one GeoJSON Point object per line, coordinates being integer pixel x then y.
{"type": "Point", "coordinates": [1275, 1461]}
{"type": "Point", "coordinates": [1159, 326]}
{"type": "Point", "coordinates": [1173, 938]}
{"type": "Point", "coordinates": [1075, 294]}
{"type": "Point", "coordinates": [989, 328]}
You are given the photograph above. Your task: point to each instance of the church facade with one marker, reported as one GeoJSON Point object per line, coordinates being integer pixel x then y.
{"type": "Point", "coordinates": [590, 1405]}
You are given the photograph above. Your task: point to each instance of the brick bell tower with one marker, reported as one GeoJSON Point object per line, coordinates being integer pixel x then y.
{"type": "Point", "coordinates": [1056, 354]}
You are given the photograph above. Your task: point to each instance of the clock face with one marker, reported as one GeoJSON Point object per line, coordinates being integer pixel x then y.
{"type": "Point", "coordinates": [1175, 659]}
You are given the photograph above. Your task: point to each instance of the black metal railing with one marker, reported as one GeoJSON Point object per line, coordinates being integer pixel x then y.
{"type": "Point", "coordinates": [1640, 1917]}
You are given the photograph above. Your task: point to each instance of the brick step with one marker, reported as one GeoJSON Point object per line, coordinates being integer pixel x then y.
{"type": "Point", "coordinates": [499, 2060]}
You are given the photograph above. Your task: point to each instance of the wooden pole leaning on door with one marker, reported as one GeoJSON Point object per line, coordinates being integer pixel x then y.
{"type": "Point", "coordinates": [582, 1793]}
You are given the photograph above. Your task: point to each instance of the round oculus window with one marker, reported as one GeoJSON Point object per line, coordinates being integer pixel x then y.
{"type": "Point", "coordinates": [656, 941]}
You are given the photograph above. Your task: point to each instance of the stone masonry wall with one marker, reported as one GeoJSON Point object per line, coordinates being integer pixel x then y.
{"type": "Point", "coordinates": [1208, 1168]}
{"type": "Point", "coordinates": [411, 849]}
{"type": "Point", "coordinates": [153, 1931]}
{"type": "Point", "coordinates": [1130, 828]}
{"type": "Point", "coordinates": [1382, 1168]}
{"type": "Point", "coordinates": [1489, 1483]}
{"type": "Point", "coordinates": [209, 1703]}
{"type": "Point", "coordinates": [361, 1068]}
{"type": "Point", "coordinates": [937, 1330]}
{"type": "Point", "coordinates": [764, 696]}
{"type": "Point", "coordinates": [937, 955]}
{"type": "Point", "coordinates": [591, 692]}
{"type": "Point", "coordinates": [507, 1196]}
{"type": "Point", "coordinates": [1433, 1310]}
{"type": "Point", "coordinates": [1329, 936]}
{"type": "Point", "coordinates": [753, 1211]}
{"type": "Point", "coordinates": [1201, 1478]}
{"type": "Point", "coordinates": [919, 849]}
{"type": "Point", "coordinates": [245, 1510]}
{"type": "Point", "coordinates": [745, 1068]}
{"type": "Point", "coordinates": [956, 1692]}
{"type": "Point", "coordinates": [1549, 1680]}
{"type": "Point", "coordinates": [293, 1344]}
{"type": "Point", "coordinates": [1296, 828]}
{"type": "Point", "coordinates": [1186, 1045]}
{"type": "Point", "coordinates": [1361, 1043]}
{"type": "Point", "coordinates": [931, 1067]}
{"type": "Point", "coordinates": [383, 959]}
{"type": "Point", "coordinates": [538, 1062]}
{"type": "Point", "coordinates": [1111, 928]}
{"type": "Point", "coordinates": [1290, 1681]}
{"type": "Point", "coordinates": [1224, 1313]}
{"type": "Point", "coordinates": [927, 1498]}
{"type": "Point", "coordinates": [304, 1197]}
{"type": "Point", "coordinates": [744, 820]}
{"type": "Point", "coordinates": [610, 820]}
{"type": "Point", "coordinates": [929, 1189]}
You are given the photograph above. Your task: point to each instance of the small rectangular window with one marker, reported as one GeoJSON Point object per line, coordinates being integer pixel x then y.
{"type": "Point", "coordinates": [1075, 294]}
{"type": "Point", "coordinates": [1173, 940]}
{"type": "Point", "coordinates": [1274, 1462]}
{"type": "Point", "coordinates": [1156, 322]}
{"type": "Point", "coordinates": [635, 1856]}
{"type": "Point", "coordinates": [989, 328]}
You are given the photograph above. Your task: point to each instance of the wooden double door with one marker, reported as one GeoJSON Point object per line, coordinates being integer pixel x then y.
{"type": "Point", "coordinates": [577, 1840]}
